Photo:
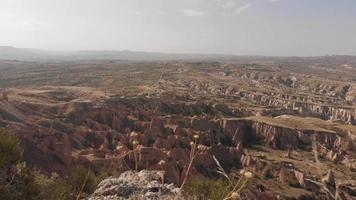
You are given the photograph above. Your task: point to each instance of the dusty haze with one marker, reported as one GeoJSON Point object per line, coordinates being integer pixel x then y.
{"type": "Point", "coordinates": [257, 27]}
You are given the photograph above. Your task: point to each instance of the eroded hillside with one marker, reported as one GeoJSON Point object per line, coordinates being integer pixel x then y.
{"type": "Point", "coordinates": [290, 122]}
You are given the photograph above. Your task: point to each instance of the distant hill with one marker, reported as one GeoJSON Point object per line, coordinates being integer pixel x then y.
{"type": "Point", "coordinates": [12, 53]}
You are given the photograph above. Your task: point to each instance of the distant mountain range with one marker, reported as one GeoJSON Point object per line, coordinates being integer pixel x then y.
{"type": "Point", "coordinates": [12, 53]}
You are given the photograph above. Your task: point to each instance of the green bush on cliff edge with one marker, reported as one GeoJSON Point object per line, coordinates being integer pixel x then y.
{"type": "Point", "coordinates": [19, 181]}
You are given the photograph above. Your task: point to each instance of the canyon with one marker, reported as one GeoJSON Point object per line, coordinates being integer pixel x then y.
{"type": "Point", "coordinates": [289, 121]}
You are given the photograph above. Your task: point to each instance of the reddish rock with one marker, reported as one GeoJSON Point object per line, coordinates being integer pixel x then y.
{"type": "Point", "coordinates": [329, 179]}
{"type": "Point", "coordinates": [201, 124]}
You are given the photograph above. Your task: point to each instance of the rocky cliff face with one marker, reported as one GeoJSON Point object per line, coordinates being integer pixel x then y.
{"type": "Point", "coordinates": [287, 123]}
{"type": "Point", "coordinates": [306, 107]}
{"type": "Point", "coordinates": [347, 115]}
{"type": "Point", "coordinates": [143, 132]}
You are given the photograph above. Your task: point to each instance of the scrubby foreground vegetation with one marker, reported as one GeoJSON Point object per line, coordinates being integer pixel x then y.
{"type": "Point", "coordinates": [18, 181]}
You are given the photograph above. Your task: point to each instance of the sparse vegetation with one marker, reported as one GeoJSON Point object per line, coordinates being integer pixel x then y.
{"type": "Point", "coordinates": [217, 189]}
{"type": "Point", "coordinates": [193, 154]}
{"type": "Point", "coordinates": [10, 150]}
{"type": "Point", "coordinates": [19, 181]}
{"type": "Point", "coordinates": [205, 188]}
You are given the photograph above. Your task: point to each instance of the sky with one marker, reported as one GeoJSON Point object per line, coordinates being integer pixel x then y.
{"type": "Point", "coordinates": [241, 27]}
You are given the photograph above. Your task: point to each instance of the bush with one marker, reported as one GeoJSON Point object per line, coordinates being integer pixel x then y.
{"type": "Point", "coordinates": [19, 182]}
{"type": "Point", "coordinates": [15, 181]}
{"type": "Point", "coordinates": [54, 187]}
{"type": "Point", "coordinates": [10, 149]}
{"type": "Point", "coordinates": [78, 181]}
{"type": "Point", "coordinates": [204, 188]}
{"type": "Point", "coordinates": [20, 185]}
{"type": "Point", "coordinates": [79, 177]}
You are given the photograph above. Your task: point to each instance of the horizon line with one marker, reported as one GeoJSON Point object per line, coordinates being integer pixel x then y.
{"type": "Point", "coordinates": [174, 53]}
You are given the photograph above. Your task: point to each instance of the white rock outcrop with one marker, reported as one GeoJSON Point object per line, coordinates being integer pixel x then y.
{"type": "Point", "coordinates": [135, 185]}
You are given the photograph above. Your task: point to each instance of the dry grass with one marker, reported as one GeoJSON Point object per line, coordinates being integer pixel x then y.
{"type": "Point", "coordinates": [193, 154]}
{"type": "Point", "coordinates": [83, 185]}
{"type": "Point", "coordinates": [237, 187]}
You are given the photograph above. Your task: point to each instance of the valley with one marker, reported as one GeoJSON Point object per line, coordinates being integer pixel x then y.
{"type": "Point", "coordinates": [291, 121]}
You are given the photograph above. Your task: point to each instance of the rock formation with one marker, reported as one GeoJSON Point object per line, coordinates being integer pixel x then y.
{"type": "Point", "coordinates": [135, 185]}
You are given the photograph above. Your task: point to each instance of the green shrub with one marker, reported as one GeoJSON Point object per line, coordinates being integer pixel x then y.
{"type": "Point", "coordinates": [15, 181]}
{"type": "Point", "coordinates": [79, 176]}
{"type": "Point", "coordinates": [204, 188]}
{"type": "Point", "coordinates": [60, 190]}
{"type": "Point", "coordinates": [19, 182]}
{"type": "Point", "coordinates": [78, 181]}
{"type": "Point", "coordinates": [10, 149]}
{"type": "Point", "coordinates": [54, 187]}
{"type": "Point", "coordinates": [30, 184]}
{"type": "Point", "coordinates": [20, 185]}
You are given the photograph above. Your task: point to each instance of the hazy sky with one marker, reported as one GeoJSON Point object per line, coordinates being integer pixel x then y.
{"type": "Point", "coordinates": [263, 27]}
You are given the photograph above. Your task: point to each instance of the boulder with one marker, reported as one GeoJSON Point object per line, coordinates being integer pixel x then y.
{"type": "Point", "coordinates": [135, 185]}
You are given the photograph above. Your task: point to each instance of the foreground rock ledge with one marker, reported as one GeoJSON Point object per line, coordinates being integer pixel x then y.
{"type": "Point", "coordinates": [135, 185]}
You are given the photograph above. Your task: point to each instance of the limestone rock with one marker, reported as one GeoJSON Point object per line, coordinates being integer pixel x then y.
{"type": "Point", "coordinates": [135, 185]}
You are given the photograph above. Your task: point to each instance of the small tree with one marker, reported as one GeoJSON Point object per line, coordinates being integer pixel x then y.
{"type": "Point", "coordinates": [10, 149]}
{"type": "Point", "coordinates": [18, 181]}
{"type": "Point", "coordinates": [82, 180]}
